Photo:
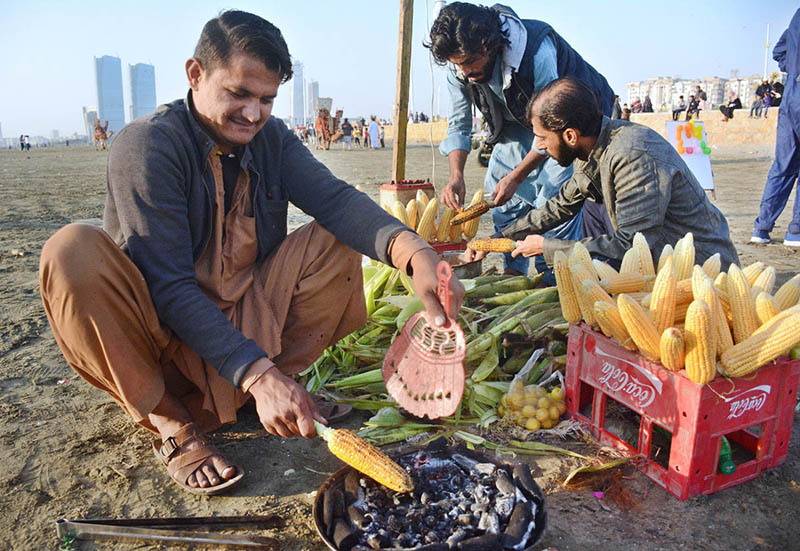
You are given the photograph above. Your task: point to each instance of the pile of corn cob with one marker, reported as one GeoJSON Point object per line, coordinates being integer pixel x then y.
{"type": "Point", "coordinates": [422, 214]}
{"type": "Point", "coordinates": [684, 315]}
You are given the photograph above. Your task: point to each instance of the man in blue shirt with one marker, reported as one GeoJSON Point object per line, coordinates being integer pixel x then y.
{"type": "Point", "coordinates": [499, 62]}
{"type": "Point", "coordinates": [783, 174]}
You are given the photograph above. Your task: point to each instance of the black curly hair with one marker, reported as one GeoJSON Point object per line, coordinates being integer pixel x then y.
{"type": "Point", "coordinates": [463, 29]}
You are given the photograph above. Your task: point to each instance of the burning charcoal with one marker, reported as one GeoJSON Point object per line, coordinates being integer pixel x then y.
{"type": "Point", "coordinates": [478, 507]}
{"type": "Point", "coordinates": [432, 537]}
{"type": "Point", "coordinates": [403, 540]}
{"type": "Point", "coordinates": [486, 542]}
{"type": "Point", "coordinates": [374, 516]}
{"type": "Point", "coordinates": [343, 535]}
{"type": "Point", "coordinates": [375, 541]}
{"type": "Point", "coordinates": [465, 519]}
{"type": "Point", "coordinates": [443, 504]}
{"type": "Point", "coordinates": [489, 523]}
{"type": "Point", "coordinates": [456, 482]}
{"type": "Point", "coordinates": [329, 510]}
{"type": "Point", "coordinates": [352, 488]}
{"type": "Point", "coordinates": [486, 468]}
{"type": "Point", "coordinates": [425, 498]}
{"type": "Point", "coordinates": [520, 526]}
{"type": "Point", "coordinates": [456, 537]}
{"type": "Point", "coordinates": [464, 462]}
{"type": "Point", "coordinates": [433, 547]}
{"type": "Point", "coordinates": [393, 523]}
{"type": "Point", "coordinates": [504, 505]}
{"type": "Point", "coordinates": [504, 483]}
{"type": "Point", "coordinates": [463, 505]}
{"type": "Point", "coordinates": [430, 521]}
{"type": "Point", "coordinates": [357, 517]}
{"type": "Point", "coordinates": [524, 481]}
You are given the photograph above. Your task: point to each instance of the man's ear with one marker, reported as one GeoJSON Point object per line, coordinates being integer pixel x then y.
{"type": "Point", "coordinates": [194, 72]}
{"type": "Point", "coordinates": [570, 136]}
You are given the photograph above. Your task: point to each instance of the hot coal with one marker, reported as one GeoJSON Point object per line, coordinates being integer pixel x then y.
{"type": "Point", "coordinates": [457, 503]}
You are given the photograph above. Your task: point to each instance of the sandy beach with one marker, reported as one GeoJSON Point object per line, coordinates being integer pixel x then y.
{"type": "Point", "coordinates": [68, 451]}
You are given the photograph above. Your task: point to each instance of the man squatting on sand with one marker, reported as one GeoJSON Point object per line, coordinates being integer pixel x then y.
{"type": "Point", "coordinates": [193, 299]}
{"type": "Point", "coordinates": [640, 178]}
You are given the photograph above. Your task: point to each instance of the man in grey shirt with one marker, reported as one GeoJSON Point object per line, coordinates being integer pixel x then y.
{"type": "Point", "coordinates": [194, 299]}
{"type": "Point", "coordinates": [640, 178]}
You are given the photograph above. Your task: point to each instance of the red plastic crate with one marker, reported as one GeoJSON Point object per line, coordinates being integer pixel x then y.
{"type": "Point", "coordinates": [755, 414]}
{"type": "Point", "coordinates": [448, 246]}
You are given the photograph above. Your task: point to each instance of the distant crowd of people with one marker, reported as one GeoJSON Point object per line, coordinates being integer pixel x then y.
{"type": "Point", "coordinates": [363, 135]}
{"type": "Point", "coordinates": [24, 142]}
{"type": "Point", "coordinates": [417, 117]}
{"type": "Point", "coordinates": [638, 106]}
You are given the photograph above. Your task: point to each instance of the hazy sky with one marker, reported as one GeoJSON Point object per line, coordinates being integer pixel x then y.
{"type": "Point", "coordinates": [350, 47]}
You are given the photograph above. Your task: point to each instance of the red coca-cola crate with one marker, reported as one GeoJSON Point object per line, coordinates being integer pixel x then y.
{"type": "Point", "coordinates": [755, 413]}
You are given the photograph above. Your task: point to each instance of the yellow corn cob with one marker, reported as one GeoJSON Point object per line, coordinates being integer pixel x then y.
{"type": "Point", "coordinates": [775, 319]}
{"type": "Point", "coordinates": [366, 458]}
{"type": "Point", "coordinates": [595, 293]}
{"type": "Point", "coordinates": [412, 213]}
{"type": "Point", "coordinates": [604, 271]}
{"type": "Point", "coordinates": [708, 294]}
{"type": "Point", "coordinates": [454, 233]}
{"type": "Point", "coordinates": [766, 308]}
{"type": "Point", "coordinates": [388, 208]}
{"type": "Point", "coordinates": [665, 252]}
{"type": "Point", "coordinates": [640, 327]}
{"type": "Point", "coordinates": [645, 299]}
{"type": "Point", "coordinates": [752, 271]}
{"type": "Point", "coordinates": [701, 364]}
{"type": "Point", "coordinates": [426, 227]}
{"type": "Point", "coordinates": [721, 285]}
{"type": "Point", "coordinates": [399, 212]}
{"type": "Point", "coordinates": [625, 283]}
{"type": "Point", "coordinates": [611, 324]}
{"type": "Point", "coordinates": [680, 312]}
{"type": "Point", "coordinates": [474, 210]}
{"type": "Point", "coordinates": [422, 199]}
{"type": "Point", "coordinates": [788, 294]}
{"type": "Point", "coordinates": [683, 257]}
{"type": "Point", "coordinates": [743, 308]}
{"type": "Point", "coordinates": [495, 245]}
{"type": "Point", "coordinates": [471, 227]}
{"type": "Point", "coordinates": [645, 256]}
{"type": "Point", "coordinates": [443, 227]}
{"type": "Point", "coordinates": [580, 254]}
{"type": "Point", "coordinates": [663, 298]}
{"type": "Point", "coordinates": [630, 262]}
{"type": "Point", "coordinates": [764, 282]}
{"type": "Point", "coordinates": [671, 348]}
{"type": "Point", "coordinates": [683, 290]}
{"type": "Point", "coordinates": [579, 273]}
{"type": "Point", "coordinates": [712, 265]}
{"type": "Point", "coordinates": [570, 308]}
{"type": "Point", "coordinates": [697, 279]}
{"type": "Point", "coordinates": [763, 347]}
{"type": "Point", "coordinates": [721, 282]}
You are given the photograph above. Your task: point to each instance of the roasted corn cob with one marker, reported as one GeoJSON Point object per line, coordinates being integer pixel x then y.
{"type": "Point", "coordinates": [366, 458]}
{"type": "Point", "coordinates": [473, 211]}
{"type": "Point", "coordinates": [495, 245]}
{"type": "Point", "coordinates": [471, 227]}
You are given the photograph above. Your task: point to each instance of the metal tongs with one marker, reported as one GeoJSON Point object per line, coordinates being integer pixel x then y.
{"type": "Point", "coordinates": [175, 529]}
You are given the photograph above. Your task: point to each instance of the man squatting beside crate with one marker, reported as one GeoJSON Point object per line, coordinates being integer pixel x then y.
{"type": "Point", "coordinates": [640, 178]}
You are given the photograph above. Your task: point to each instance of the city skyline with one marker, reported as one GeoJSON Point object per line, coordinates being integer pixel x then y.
{"type": "Point", "coordinates": [352, 50]}
{"type": "Point", "coordinates": [143, 89]}
{"type": "Point", "coordinates": [108, 82]}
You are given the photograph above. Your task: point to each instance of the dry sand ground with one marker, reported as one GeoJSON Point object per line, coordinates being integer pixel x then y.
{"type": "Point", "coordinates": [68, 451]}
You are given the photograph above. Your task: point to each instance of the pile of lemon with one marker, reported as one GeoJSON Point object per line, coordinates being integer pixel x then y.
{"type": "Point", "coordinates": [532, 406]}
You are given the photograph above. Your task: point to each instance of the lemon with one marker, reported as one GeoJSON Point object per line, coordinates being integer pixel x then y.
{"type": "Point", "coordinates": [516, 400]}
{"type": "Point", "coordinates": [542, 414]}
{"type": "Point", "coordinates": [557, 393]}
{"type": "Point", "coordinates": [562, 407]}
{"type": "Point", "coordinates": [547, 424]}
{"type": "Point", "coordinates": [554, 414]}
{"type": "Point", "coordinates": [544, 402]}
{"type": "Point", "coordinates": [529, 411]}
{"type": "Point", "coordinates": [533, 424]}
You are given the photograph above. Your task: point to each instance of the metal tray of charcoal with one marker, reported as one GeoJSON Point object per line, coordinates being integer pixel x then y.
{"type": "Point", "coordinates": [462, 500]}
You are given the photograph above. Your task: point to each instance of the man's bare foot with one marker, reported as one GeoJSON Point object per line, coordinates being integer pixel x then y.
{"type": "Point", "coordinates": [168, 417]}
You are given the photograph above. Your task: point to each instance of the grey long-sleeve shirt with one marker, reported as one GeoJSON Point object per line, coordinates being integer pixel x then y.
{"type": "Point", "coordinates": [646, 187]}
{"type": "Point", "coordinates": [159, 210]}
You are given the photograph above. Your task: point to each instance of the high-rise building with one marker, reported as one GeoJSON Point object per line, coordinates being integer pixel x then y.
{"type": "Point", "coordinates": [298, 113]}
{"type": "Point", "coordinates": [89, 116]}
{"type": "Point", "coordinates": [54, 134]}
{"type": "Point", "coordinates": [313, 100]}
{"type": "Point", "coordinates": [110, 105]}
{"type": "Point", "coordinates": [143, 89]}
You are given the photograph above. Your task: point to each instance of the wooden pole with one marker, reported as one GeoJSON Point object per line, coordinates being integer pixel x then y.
{"type": "Point", "coordinates": [401, 101]}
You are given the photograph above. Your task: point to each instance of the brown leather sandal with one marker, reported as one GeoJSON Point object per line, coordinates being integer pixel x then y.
{"type": "Point", "coordinates": [182, 466]}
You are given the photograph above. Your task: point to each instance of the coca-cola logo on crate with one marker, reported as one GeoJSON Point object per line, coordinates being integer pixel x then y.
{"type": "Point", "coordinates": [752, 399]}
{"type": "Point", "coordinates": [642, 392]}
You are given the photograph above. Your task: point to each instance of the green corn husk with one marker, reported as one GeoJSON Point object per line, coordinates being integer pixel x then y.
{"type": "Point", "coordinates": [517, 283]}
{"type": "Point", "coordinates": [528, 296]}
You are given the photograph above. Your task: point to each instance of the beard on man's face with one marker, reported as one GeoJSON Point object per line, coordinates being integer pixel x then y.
{"type": "Point", "coordinates": [565, 154]}
{"type": "Point", "coordinates": [485, 73]}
